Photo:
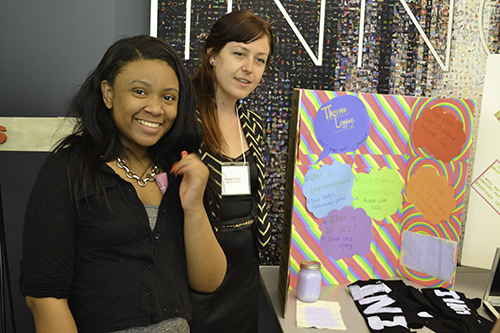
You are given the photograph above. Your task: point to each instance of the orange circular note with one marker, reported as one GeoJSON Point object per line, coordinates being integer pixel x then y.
{"type": "Point", "coordinates": [431, 195]}
{"type": "Point", "coordinates": [439, 133]}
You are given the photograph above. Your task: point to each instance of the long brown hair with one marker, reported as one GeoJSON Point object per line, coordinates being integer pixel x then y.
{"type": "Point", "coordinates": [238, 26]}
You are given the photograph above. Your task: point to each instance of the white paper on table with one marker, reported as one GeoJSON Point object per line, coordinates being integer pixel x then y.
{"type": "Point", "coordinates": [319, 314]}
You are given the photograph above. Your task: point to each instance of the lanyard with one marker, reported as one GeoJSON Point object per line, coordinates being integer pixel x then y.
{"type": "Point", "coordinates": [236, 176]}
{"type": "Point", "coordinates": [241, 135]}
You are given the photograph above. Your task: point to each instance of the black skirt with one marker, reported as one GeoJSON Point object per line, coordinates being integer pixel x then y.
{"type": "Point", "coordinates": [233, 308]}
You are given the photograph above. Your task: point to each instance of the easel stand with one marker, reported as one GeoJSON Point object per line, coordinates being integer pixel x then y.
{"type": "Point", "coordinates": [5, 289]}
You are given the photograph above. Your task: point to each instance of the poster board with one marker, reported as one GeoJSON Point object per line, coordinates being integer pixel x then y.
{"type": "Point", "coordinates": [378, 186]}
{"type": "Point", "coordinates": [482, 231]}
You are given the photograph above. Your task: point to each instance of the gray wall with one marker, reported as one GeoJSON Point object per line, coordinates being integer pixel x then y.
{"type": "Point", "coordinates": [47, 48]}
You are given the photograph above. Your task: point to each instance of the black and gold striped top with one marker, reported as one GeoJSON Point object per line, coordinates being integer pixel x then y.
{"type": "Point", "coordinates": [252, 128]}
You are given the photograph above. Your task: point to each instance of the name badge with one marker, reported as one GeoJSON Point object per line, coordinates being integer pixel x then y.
{"type": "Point", "coordinates": [235, 178]}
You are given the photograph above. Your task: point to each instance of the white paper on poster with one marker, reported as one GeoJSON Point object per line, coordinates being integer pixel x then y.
{"type": "Point", "coordinates": [488, 186]}
{"type": "Point", "coordinates": [430, 255]}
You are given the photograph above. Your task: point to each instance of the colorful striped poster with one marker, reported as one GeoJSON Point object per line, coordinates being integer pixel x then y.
{"type": "Point", "coordinates": [369, 167]}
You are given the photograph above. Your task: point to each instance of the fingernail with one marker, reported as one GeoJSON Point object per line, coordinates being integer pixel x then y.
{"type": "Point", "coordinates": [173, 166]}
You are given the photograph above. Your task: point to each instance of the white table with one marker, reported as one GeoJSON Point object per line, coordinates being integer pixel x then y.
{"type": "Point", "coordinates": [468, 280]}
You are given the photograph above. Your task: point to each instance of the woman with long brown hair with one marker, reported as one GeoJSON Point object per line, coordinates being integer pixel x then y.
{"type": "Point", "coordinates": [233, 60]}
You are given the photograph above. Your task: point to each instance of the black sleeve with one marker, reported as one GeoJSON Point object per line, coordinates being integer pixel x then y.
{"type": "Point", "coordinates": [49, 232]}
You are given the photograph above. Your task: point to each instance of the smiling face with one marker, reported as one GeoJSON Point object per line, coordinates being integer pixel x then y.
{"type": "Point", "coordinates": [143, 101]}
{"type": "Point", "coordinates": [239, 68]}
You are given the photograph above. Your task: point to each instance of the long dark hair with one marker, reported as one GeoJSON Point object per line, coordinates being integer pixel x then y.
{"type": "Point", "coordinates": [238, 26]}
{"type": "Point", "coordinates": [95, 132]}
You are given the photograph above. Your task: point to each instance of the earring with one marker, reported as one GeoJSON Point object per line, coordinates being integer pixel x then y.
{"type": "Point", "coordinates": [212, 63]}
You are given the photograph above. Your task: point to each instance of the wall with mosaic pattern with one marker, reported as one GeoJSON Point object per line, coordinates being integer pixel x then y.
{"type": "Point", "coordinates": [395, 59]}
